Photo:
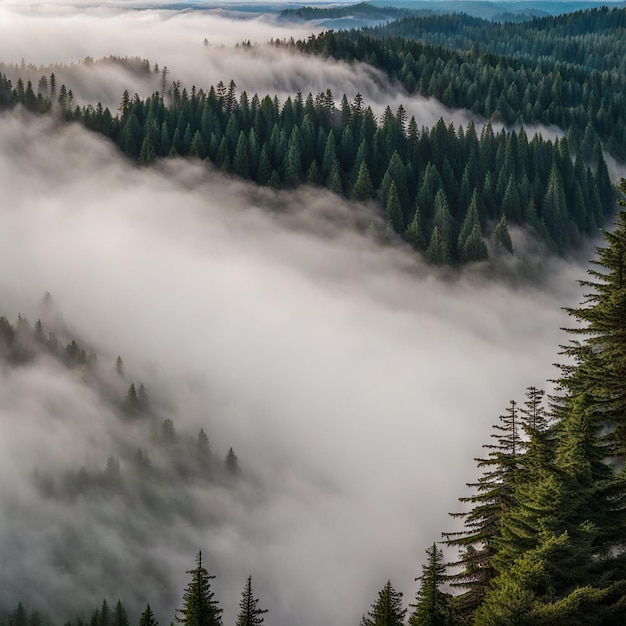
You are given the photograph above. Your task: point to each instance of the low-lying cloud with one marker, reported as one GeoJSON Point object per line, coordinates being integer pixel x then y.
{"type": "Point", "coordinates": [355, 384]}
{"type": "Point", "coordinates": [44, 36]}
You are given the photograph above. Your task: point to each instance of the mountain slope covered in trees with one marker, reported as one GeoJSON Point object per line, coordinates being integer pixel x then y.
{"type": "Point", "coordinates": [445, 190]}
{"type": "Point", "coordinates": [537, 79]}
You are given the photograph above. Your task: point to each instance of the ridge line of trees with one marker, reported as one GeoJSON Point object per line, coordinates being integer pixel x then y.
{"type": "Point", "coordinates": [445, 190]}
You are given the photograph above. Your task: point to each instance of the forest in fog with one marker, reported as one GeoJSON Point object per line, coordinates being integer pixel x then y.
{"type": "Point", "coordinates": [283, 292]}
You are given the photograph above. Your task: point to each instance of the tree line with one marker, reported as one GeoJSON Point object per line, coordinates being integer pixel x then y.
{"type": "Point", "coordinates": [199, 608]}
{"type": "Point", "coordinates": [589, 38]}
{"type": "Point", "coordinates": [566, 70]}
{"type": "Point", "coordinates": [445, 190]}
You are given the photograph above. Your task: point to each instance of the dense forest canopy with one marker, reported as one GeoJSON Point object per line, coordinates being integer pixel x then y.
{"type": "Point", "coordinates": [436, 187]}
{"type": "Point", "coordinates": [536, 80]}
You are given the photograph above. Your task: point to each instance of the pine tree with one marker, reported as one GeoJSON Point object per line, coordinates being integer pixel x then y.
{"type": "Point", "coordinates": [501, 236]}
{"type": "Point", "coordinates": [241, 165]}
{"type": "Point", "coordinates": [438, 251]}
{"type": "Point", "coordinates": [414, 233]}
{"type": "Point", "coordinates": [105, 614]}
{"type": "Point", "coordinates": [475, 248]}
{"type": "Point", "coordinates": [387, 610]}
{"type": "Point", "coordinates": [314, 176]}
{"type": "Point", "coordinates": [363, 188]}
{"type": "Point", "coordinates": [442, 220]}
{"type": "Point", "coordinates": [394, 215]}
{"type": "Point", "coordinates": [599, 368]}
{"type": "Point", "coordinates": [131, 401]}
{"type": "Point", "coordinates": [199, 606]}
{"type": "Point", "coordinates": [334, 179]}
{"type": "Point", "coordinates": [249, 613]}
{"type": "Point", "coordinates": [231, 462]}
{"type": "Point", "coordinates": [147, 617]}
{"type": "Point", "coordinates": [511, 205]}
{"type": "Point", "coordinates": [147, 154]}
{"type": "Point", "coordinates": [471, 220]}
{"type": "Point", "coordinates": [494, 496]}
{"type": "Point", "coordinates": [555, 210]}
{"type": "Point", "coordinates": [120, 618]}
{"type": "Point", "coordinates": [432, 607]}
{"type": "Point", "coordinates": [197, 147]}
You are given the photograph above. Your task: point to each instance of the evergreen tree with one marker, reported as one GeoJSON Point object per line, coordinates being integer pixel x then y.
{"type": "Point", "coordinates": [438, 251]}
{"type": "Point", "coordinates": [442, 220]}
{"type": "Point", "coordinates": [147, 154]}
{"type": "Point", "coordinates": [131, 401]}
{"type": "Point", "coordinates": [105, 614]}
{"type": "Point", "coordinates": [432, 607]}
{"type": "Point", "coordinates": [231, 462]}
{"type": "Point", "coordinates": [119, 367]}
{"type": "Point", "coordinates": [334, 180]}
{"type": "Point", "coordinates": [414, 233]}
{"type": "Point", "coordinates": [599, 361]}
{"type": "Point", "coordinates": [199, 605]}
{"type": "Point", "coordinates": [197, 147]}
{"type": "Point", "coordinates": [363, 189]}
{"type": "Point", "coordinates": [494, 496]}
{"type": "Point", "coordinates": [501, 236]}
{"type": "Point", "coordinates": [147, 617]}
{"type": "Point", "coordinates": [387, 610]}
{"type": "Point", "coordinates": [249, 613]}
{"type": "Point", "coordinates": [120, 618]}
{"type": "Point", "coordinates": [475, 248]}
{"type": "Point", "coordinates": [241, 165]}
{"type": "Point", "coordinates": [314, 176]}
{"type": "Point", "coordinates": [471, 220]}
{"type": "Point", "coordinates": [394, 215]}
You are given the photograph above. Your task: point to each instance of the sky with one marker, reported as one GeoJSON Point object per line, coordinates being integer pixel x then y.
{"type": "Point", "coordinates": [355, 384]}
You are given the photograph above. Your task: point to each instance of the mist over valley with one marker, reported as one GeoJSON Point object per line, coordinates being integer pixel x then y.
{"type": "Point", "coordinates": [286, 374]}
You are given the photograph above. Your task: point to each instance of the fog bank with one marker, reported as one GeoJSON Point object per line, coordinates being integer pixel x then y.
{"type": "Point", "coordinates": [355, 385]}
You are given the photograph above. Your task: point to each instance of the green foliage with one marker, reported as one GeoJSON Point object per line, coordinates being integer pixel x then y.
{"type": "Point", "coordinates": [599, 368]}
{"type": "Point", "coordinates": [501, 236]}
{"type": "Point", "coordinates": [249, 613]}
{"type": "Point", "coordinates": [387, 610]}
{"type": "Point", "coordinates": [433, 606]}
{"type": "Point", "coordinates": [414, 233]}
{"type": "Point", "coordinates": [199, 605]}
{"type": "Point", "coordinates": [363, 188]}
{"type": "Point", "coordinates": [566, 70]}
{"type": "Point", "coordinates": [395, 218]}
{"type": "Point", "coordinates": [352, 154]}
{"type": "Point", "coordinates": [494, 496]}
{"type": "Point", "coordinates": [147, 617]}
{"type": "Point", "coordinates": [475, 248]}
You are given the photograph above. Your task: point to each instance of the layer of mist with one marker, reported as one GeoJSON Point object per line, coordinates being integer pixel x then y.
{"type": "Point", "coordinates": [46, 37]}
{"type": "Point", "coordinates": [355, 384]}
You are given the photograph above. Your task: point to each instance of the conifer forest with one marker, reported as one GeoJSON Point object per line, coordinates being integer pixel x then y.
{"type": "Point", "coordinates": [313, 313]}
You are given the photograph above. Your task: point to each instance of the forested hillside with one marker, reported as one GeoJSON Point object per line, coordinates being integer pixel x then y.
{"type": "Point", "coordinates": [445, 190]}
{"type": "Point", "coordinates": [156, 455]}
{"type": "Point", "coordinates": [566, 71]}
{"type": "Point", "coordinates": [149, 218]}
{"type": "Point", "coordinates": [592, 39]}
{"type": "Point", "coordinates": [363, 10]}
{"type": "Point", "coordinates": [452, 193]}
